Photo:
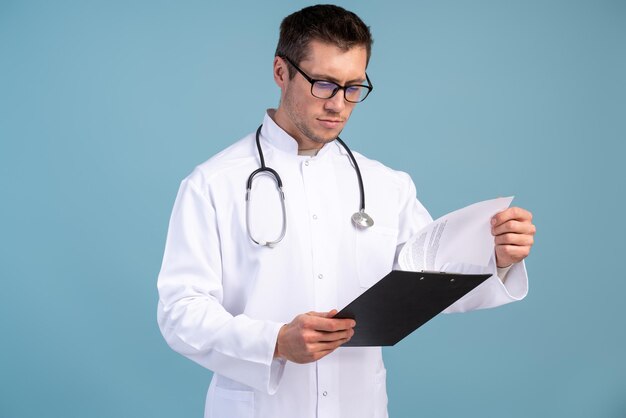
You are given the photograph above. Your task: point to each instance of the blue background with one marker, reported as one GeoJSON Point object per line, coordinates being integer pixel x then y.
{"type": "Point", "coordinates": [106, 105]}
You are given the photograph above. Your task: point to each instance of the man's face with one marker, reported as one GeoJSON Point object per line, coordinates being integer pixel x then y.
{"type": "Point", "coordinates": [310, 120]}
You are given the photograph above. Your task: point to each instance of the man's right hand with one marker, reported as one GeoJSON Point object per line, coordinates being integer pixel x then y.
{"type": "Point", "coordinates": [312, 335]}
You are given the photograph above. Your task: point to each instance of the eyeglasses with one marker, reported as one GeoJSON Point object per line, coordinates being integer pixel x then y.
{"type": "Point", "coordinates": [324, 89]}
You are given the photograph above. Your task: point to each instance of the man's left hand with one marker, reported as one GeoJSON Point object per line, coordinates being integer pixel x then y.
{"type": "Point", "coordinates": [514, 235]}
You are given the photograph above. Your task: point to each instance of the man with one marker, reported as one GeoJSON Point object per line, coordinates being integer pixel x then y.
{"type": "Point", "coordinates": [260, 316]}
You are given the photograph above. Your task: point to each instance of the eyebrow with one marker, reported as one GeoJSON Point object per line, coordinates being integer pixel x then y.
{"type": "Point", "coordinates": [361, 81]}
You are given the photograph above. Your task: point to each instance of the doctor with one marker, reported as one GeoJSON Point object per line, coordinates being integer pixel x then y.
{"type": "Point", "coordinates": [259, 316]}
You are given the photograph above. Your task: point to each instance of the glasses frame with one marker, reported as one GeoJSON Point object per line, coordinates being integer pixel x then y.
{"type": "Point", "coordinates": [338, 87]}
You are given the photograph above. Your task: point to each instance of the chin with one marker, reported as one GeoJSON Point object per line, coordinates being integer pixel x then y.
{"type": "Point", "coordinates": [327, 138]}
{"type": "Point", "coordinates": [329, 135]}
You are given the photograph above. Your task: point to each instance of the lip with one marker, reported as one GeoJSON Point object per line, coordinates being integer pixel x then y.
{"type": "Point", "coordinates": [330, 123]}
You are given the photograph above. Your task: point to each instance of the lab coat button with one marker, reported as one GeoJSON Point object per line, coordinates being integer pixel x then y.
{"type": "Point", "coordinates": [306, 163]}
{"type": "Point", "coordinates": [320, 276]}
{"type": "Point", "coordinates": [325, 393]}
{"type": "Point", "coordinates": [314, 216]}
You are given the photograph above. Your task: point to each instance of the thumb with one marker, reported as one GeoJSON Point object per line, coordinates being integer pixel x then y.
{"type": "Point", "coordinates": [328, 314]}
{"type": "Point", "coordinates": [331, 313]}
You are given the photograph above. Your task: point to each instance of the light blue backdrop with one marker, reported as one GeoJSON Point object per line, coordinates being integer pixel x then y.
{"type": "Point", "coordinates": [106, 105]}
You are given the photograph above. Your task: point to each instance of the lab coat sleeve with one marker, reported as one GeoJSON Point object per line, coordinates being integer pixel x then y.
{"type": "Point", "coordinates": [190, 313]}
{"type": "Point", "coordinates": [493, 292]}
{"type": "Point", "coordinates": [413, 215]}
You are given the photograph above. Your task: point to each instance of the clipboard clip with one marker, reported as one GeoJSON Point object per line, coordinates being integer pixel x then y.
{"type": "Point", "coordinates": [441, 273]}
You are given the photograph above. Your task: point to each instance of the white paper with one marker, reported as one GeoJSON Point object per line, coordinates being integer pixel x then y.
{"type": "Point", "coordinates": [463, 236]}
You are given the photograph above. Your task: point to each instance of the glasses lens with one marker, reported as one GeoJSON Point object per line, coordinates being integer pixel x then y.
{"type": "Point", "coordinates": [327, 89]}
{"type": "Point", "coordinates": [324, 89]}
{"type": "Point", "coordinates": [356, 93]}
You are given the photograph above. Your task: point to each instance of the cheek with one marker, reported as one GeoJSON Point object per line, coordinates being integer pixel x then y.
{"type": "Point", "coordinates": [303, 106]}
{"type": "Point", "coordinates": [292, 99]}
{"type": "Point", "coordinates": [306, 109]}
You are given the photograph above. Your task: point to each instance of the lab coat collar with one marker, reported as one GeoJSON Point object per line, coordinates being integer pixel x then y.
{"type": "Point", "coordinates": [276, 137]}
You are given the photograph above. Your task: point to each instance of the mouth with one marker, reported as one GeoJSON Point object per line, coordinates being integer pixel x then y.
{"type": "Point", "coordinates": [330, 123]}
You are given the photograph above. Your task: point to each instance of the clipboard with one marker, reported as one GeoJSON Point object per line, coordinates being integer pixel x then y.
{"type": "Point", "coordinates": [403, 301]}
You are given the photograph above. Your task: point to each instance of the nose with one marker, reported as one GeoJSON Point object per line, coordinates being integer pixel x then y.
{"type": "Point", "coordinates": [336, 103]}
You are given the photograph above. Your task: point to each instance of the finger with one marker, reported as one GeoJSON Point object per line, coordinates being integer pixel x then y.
{"type": "Point", "coordinates": [514, 239]}
{"type": "Point", "coordinates": [511, 213]}
{"type": "Point", "coordinates": [327, 348]}
{"type": "Point", "coordinates": [509, 254]}
{"type": "Point", "coordinates": [326, 336]}
{"type": "Point", "coordinates": [324, 321]}
{"type": "Point", "coordinates": [313, 351]}
{"type": "Point", "coordinates": [331, 324]}
{"type": "Point", "coordinates": [327, 345]}
{"type": "Point", "coordinates": [514, 226]}
{"type": "Point", "coordinates": [328, 314]}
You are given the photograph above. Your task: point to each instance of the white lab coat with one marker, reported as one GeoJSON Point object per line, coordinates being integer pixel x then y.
{"type": "Point", "coordinates": [223, 299]}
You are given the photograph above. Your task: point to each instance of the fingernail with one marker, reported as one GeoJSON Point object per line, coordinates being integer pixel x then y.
{"type": "Point", "coordinates": [493, 221]}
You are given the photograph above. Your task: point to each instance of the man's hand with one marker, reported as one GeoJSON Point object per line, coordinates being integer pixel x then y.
{"type": "Point", "coordinates": [312, 335]}
{"type": "Point", "coordinates": [514, 235]}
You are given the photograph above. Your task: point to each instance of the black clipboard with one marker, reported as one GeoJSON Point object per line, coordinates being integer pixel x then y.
{"type": "Point", "coordinates": [403, 301]}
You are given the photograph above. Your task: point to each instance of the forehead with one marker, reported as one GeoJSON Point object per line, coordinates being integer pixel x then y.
{"type": "Point", "coordinates": [328, 60]}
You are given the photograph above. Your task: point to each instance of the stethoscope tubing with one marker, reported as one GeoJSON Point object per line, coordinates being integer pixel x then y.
{"type": "Point", "coordinates": [360, 219]}
{"type": "Point", "coordinates": [358, 175]}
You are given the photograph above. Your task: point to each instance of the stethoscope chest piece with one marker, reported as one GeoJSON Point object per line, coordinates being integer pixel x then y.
{"type": "Point", "coordinates": [362, 220]}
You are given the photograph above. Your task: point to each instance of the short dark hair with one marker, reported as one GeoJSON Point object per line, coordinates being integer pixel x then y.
{"type": "Point", "coordinates": [323, 22]}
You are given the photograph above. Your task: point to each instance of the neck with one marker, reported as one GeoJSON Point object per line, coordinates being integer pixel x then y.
{"type": "Point", "coordinates": [308, 152]}
{"type": "Point", "coordinates": [282, 119]}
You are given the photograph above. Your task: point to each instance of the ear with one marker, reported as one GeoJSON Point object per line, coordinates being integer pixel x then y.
{"type": "Point", "coordinates": [281, 73]}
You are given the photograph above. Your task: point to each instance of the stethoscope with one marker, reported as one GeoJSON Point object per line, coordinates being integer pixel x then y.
{"type": "Point", "coordinates": [360, 219]}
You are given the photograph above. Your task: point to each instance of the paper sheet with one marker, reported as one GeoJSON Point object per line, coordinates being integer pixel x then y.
{"type": "Point", "coordinates": [462, 236]}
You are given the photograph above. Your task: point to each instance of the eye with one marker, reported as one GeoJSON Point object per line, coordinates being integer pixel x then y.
{"type": "Point", "coordinates": [354, 89]}
{"type": "Point", "coordinates": [325, 85]}
{"type": "Point", "coordinates": [355, 93]}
